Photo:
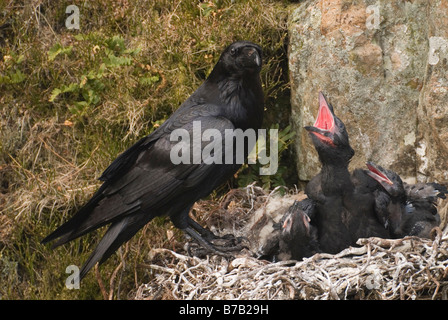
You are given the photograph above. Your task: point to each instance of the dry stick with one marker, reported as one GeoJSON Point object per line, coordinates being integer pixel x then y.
{"type": "Point", "coordinates": [115, 272]}
{"type": "Point", "coordinates": [112, 280]}
{"type": "Point", "coordinates": [56, 154]}
{"type": "Point", "coordinates": [100, 282]}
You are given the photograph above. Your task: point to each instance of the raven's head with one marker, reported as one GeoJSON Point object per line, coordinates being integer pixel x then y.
{"type": "Point", "coordinates": [389, 180]}
{"type": "Point", "coordinates": [296, 223]}
{"type": "Point", "coordinates": [241, 58]}
{"type": "Point", "coordinates": [329, 135]}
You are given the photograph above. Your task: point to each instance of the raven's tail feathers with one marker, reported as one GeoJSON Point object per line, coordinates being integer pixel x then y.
{"type": "Point", "coordinates": [118, 233]}
{"type": "Point", "coordinates": [71, 225]}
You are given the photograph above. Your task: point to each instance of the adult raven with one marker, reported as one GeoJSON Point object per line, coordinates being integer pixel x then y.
{"type": "Point", "coordinates": [143, 182]}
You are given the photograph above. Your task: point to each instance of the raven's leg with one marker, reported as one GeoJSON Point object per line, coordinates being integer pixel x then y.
{"type": "Point", "coordinates": [229, 241]}
{"type": "Point", "coordinates": [204, 232]}
{"type": "Point", "coordinates": [183, 221]}
{"type": "Point", "coordinates": [203, 236]}
{"type": "Point", "coordinates": [222, 249]}
{"type": "Point", "coordinates": [203, 242]}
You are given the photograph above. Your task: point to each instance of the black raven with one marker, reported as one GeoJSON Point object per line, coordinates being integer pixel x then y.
{"type": "Point", "coordinates": [144, 182]}
{"type": "Point", "coordinates": [293, 237]}
{"type": "Point", "coordinates": [344, 208]}
{"type": "Point", "coordinates": [328, 188]}
{"type": "Point", "coordinates": [406, 209]}
{"type": "Point", "coordinates": [298, 238]}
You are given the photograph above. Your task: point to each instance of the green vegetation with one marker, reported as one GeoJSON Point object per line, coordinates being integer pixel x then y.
{"type": "Point", "coordinates": [250, 172]}
{"type": "Point", "coordinates": [72, 100]}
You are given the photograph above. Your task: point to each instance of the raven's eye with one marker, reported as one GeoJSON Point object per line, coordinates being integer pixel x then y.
{"type": "Point", "coordinates": [232, 51]}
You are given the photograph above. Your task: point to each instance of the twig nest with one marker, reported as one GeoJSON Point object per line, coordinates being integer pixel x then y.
{"type": "Point", "coordinates": [387, 269]}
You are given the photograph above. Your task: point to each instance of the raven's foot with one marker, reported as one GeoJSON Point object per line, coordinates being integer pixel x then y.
{"type": "Point", "coordinates": [229, 242]}
{"type": "Point", "coordinates": [209, 243]}
{"type": "Point", "coordinates": [197, 250]}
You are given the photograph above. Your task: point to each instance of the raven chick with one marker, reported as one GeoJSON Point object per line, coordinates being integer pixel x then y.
{"type": "Point", "coordinates": [406, 209]}
{"type": "Point", "coordinates": [298, 238]}
{"type": "Point", "coordinates": [344, 208]}
{"type": "Point", "coordinates": [143, 182]}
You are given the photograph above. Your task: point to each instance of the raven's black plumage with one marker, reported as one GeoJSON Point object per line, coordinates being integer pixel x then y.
{"type": "Point", "coordinates": [298, 238]}
{"type": "Point", "coordinates": [327, 189]}
{"type": "Point", "coordinates": [293, 237]}
{"type": "Point", "coordinates": [143, 182]}
{"type": "Point", "coordinates": [344, 208]}
{"type": "Point", "coordinates": [406, 209]}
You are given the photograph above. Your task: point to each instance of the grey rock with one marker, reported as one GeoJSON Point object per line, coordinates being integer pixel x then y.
{"type": "Point", "coordinates": [372, 59]}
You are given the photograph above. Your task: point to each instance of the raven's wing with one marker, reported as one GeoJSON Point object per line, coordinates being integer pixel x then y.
{"type": "Point", "coordinates": [145, 180]}
{"type": "Point", "coordinates": [182, 116]}
{"type": "Point", "coordinates": [429, 191]}
{"type": "Point", "coordinates": [118, 233]}
{"type": "Point", "coordinates": [424, 195]}
{"type": "Point", "coordinates": [381, 207]}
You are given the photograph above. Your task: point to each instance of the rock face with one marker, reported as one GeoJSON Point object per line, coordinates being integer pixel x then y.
{"type": "Point", "coordinates": [383, 65]}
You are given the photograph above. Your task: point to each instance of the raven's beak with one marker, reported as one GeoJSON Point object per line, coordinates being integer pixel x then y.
{"type": "Point", "coordinates": [325, 115]}
{"type": "Point", "coordinates": [376, 173]}
{"type": "Point", "coordinates": [257, 59]}
{"type": "Point", "coordinates": [324, 127]}
{"type": "Point", "coordinates": [306, 222]}
{"type": "Point", "coordinates": [253, 53]}
{"type": "Point", "coordinates": [287, 224]}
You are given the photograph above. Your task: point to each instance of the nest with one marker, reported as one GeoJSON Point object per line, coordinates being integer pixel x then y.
{"type": "Point", "coordinates": [407, 268]}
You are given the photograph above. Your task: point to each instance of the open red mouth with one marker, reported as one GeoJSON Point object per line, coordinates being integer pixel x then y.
{"type": "Point", "coordinates": [323, 138]}
{"type": "Point", "coordinates": [377, 174]}
{"type": "Point", "coordinates": [324, 121]}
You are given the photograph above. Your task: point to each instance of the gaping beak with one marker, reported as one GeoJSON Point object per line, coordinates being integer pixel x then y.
{"type": "Point", "coordinates": [376, 173]}
{"type": "Point", "coordinates": [324, 126]}
{"type": "Point", "coordinates": [287, 225]}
